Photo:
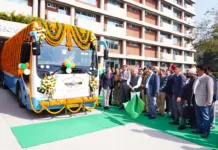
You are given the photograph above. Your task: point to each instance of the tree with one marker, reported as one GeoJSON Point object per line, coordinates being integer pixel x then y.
{"type": "Point", "coordinates": [206, 42]}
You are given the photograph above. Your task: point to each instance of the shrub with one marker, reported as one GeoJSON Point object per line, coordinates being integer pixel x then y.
{"type": "Point", "coordinates": [18, 17]}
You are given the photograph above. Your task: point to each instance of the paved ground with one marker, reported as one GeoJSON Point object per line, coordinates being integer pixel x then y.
{"type": "Point", "coordinates": [128, 137]}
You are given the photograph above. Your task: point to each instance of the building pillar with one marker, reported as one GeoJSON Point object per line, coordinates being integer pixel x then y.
{"type": "Point", "coordinates": [183, 42]}
{"type": "Point", "coordinates": [183, 3]}
{"type": "Point", "coordinates": [124, 61]}
{"type": "Point", "coordinates": [158, 63]}
{"type": "Point", "coordinates": [158, 5]}
{"type": "Point", "coordinates": [102, 22]}
{"type": "Point", "coordinates": [158, 53]}
{"type": "Point", "coordinates": [42, 9]}
{"type": "Point", "coordinates": [73, 16]}
{"type": "Point", "coordinates": [102, 4]}
{"type": "Point", "coordinates": [142, 50]}
{"type": "Point", "coordinates": [142, 64]}
{"type": "Point", "coordinates": [125, 6]}
{"type": "Point", "coordinates": [124, 47]}
{"type": "Point", "coordinates": [124, 25]}
{"type": "Point", "coordinates": [35, 8]}
{"type": "Point", "coordinates": [183, 29]}
{"type": "Point", "coordinates": [143, 33]}
{"type": "Point", "coordinates": [159, 20]}
{"type": "Point", "coordinates": [143, 16]}
{"type": "Point", "coordinates": [183, 15]}
{"type": "Point", "coordinates": [158, 36]}
{"type": "Point", "coordinates": [183, 68]}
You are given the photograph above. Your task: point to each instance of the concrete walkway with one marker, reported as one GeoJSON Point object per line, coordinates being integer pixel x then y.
{"type": "Point", "coordinates": [128, 137]}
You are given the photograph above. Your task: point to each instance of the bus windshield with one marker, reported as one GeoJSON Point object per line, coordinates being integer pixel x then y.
{"type": "Point", "coordinates": [54, 56]}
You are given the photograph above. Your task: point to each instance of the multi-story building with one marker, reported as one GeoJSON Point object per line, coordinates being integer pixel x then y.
{"type": "Point", "coordinates": [138, 32]}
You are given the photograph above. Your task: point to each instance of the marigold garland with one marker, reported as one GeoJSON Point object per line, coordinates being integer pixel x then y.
{"type": "Point", "coordinates": [56, 32]}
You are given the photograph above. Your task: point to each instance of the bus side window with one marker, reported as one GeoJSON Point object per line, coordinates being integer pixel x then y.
{"type": "Point", "coordinates": [25, 52]}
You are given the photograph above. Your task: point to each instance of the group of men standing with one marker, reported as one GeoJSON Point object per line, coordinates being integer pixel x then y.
{"type": "Point", "coordinates": [190, 97]}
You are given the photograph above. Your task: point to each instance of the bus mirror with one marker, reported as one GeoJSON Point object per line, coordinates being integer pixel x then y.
{"type": "Point", "coordinates": [25, 52]}
{"type": "Point", "coordinates": [105, 54]}
{"type": "Point", "coordinates": [36, 48]}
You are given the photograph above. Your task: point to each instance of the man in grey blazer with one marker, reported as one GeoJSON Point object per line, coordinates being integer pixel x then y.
{"type": "Point", "coordinates": [203, 92]}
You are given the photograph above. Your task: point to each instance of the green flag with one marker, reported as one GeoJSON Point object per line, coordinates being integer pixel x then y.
{"type": "Point", "coordinates": [134, 107]}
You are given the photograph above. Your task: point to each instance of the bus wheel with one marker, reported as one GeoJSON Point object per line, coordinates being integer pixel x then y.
{"type": "Point", "coordinates": [3, 82]}
{"type": "Point", "coordinates": [19, 97]}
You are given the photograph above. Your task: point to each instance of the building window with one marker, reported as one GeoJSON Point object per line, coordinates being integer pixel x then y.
{"type": "Point", "coordinates": [132, 62]}
{"type": "Point", "coordinates": [50, 5]}
{"type": "Point", "coordinates": [85, 15]}
{"type": "Point", "coordinates": [147, 63]}
{"type": "Point", "coordinates": [93, 2]}
{"type": "Point", "coordinates": [62, 10]}
{"type": "Point", "coordinates": [165, 50]}
{"type": "Point", "coordinates": [148, 46]}
{"type": "Point", "coordinates": [112, 44]}
{"type": "Point", "coordinates": [166, 20]}
{"type": "Point", "coordinates": [164, 35]}
{"type": "Point", "coordinates": [114, 2]}
{"type": "Point", "coordinates": [175, 40]}
{"type": "Point", "coordinates": [149, 15]}
{"type": "Point", "coordinates": [176, 27]}
{"type": "Point", "coordinates": [148, 30]}
{"type": "Point", "coordinates": [166, 6]}
{"type": "Point", "coordinates": [114, 23]}
{"type": "Point", "coordinates": [175, 52]}
{"type": "Point", "coordinates": [23, 2]}
{"type": "Point", "coordinates": [176, 13]}
{"type": "Point", "coordinates": [133, 26]}
{"type": "Point", "coordinates": [135, 10]}
{"type": "Point", "coordinates": [133, 44]}
{"type": "Point", "coordinates": [177, 2]}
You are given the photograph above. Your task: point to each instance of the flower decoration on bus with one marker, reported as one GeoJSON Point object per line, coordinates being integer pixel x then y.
{"type": "Point", "coordinates": [69, 64]}
{"type": "Point", "coordinates": [57, 32]}
{"type": "Point", "coordinates": [38, 33]}
{"type": "Point", "coordinates": [93, 84]}
{"type": "Point", "coordinates": [23, 68]}
{"type": "Point", "coordinates": [48, 86]}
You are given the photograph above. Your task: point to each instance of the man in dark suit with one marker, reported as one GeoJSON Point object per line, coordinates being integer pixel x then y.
{"type": "Point", "coordinates": [212, 107]}
{"type": "Point", "coordinates": [169, 90]}
{"type": "Point", "coordinates": [107, 84]}
{"type": "Point", "coordinates": [179, 83]}
{"type": "Point", "coordinates": [152, 85]}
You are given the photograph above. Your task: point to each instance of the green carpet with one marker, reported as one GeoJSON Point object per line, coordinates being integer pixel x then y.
{"type": "Point", "coordinates": [162, 124]}
{"type": "Point", "coordinates": [36, 134]}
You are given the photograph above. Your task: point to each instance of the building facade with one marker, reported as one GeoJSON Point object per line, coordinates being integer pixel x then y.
{"type": "Point", "coordinates": [138, 32]}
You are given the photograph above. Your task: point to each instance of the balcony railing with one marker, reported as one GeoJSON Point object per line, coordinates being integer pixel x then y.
{"type": "Point", "coordinates": [189, 59]}
{"type": "Point", "coordinates": [166, 41]}
{"type": "Point", "coordinates": [189, 20]}
{"type": "Point", "coordinates": [167, 12]}
{"type": "Point", "coordinates": [166, 26]}
{"type": "Point", "coordinates": [189, 8]}
{"type": "Point", "coordinates": [18, 8]}
{"type": "Point", "coordinates": [188, 46]}
{"type": "Point", "coordinates": [89, 25]}
{"type": "Point", "coordinates": [178, 58]}
{"type": "Point", "coordinates": [54, 16]}
{"type": "Point", "coordinates": [166, 57]}
{"type": "Point", "coordinates": [115, 11]}
{"type": "Point", "coordinates": [115, 31]}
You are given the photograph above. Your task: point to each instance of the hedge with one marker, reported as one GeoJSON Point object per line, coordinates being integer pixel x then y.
{"type": "Point", "coordinates": [18, 17]}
